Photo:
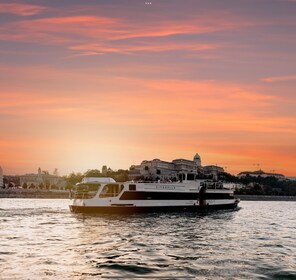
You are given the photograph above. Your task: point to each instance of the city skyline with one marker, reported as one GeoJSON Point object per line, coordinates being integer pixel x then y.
{"type": "Point", "coordinates": [117, 82]}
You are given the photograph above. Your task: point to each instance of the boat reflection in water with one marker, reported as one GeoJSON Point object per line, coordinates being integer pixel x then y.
{"type": "Point", "coordinates": [104, 195]}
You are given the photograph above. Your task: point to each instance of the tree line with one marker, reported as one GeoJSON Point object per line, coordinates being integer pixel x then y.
{"type": "Point", "coordinates": [120, 175]}
{"type": "Point", "coordinates": [261, 185]}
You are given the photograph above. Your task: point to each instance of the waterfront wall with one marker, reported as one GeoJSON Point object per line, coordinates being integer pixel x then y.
{"type": "Point", "coordinates": [30, 193]}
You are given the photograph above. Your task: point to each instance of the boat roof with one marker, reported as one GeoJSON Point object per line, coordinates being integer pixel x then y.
{"type": "Point", "coordinates": [97, 180]}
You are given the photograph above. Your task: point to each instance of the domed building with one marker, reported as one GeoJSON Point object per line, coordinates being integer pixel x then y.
{"type": "Point", "coordinates": [159, 169]}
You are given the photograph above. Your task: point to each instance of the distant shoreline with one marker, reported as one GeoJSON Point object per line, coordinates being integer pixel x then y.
{"type": "Point", "coordinates": [23, 193]}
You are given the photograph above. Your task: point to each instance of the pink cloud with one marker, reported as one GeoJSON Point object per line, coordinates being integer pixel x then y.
{"type": "Point", "coordinates": [81, 33]}
{"type": "Point", "coordinates": [21, 9]}
{"type": "Point", "coordinates": [279, 79]}
{"type": "Point", "coordinates": [60, 30]}
{"type": "Point", "coordinates": [98, 49]}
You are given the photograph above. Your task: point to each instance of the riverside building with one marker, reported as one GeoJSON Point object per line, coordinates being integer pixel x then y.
{"type": "Point", "coordinates": [43, 181]}
{"type": "Point", "coordinates": [260, 173]}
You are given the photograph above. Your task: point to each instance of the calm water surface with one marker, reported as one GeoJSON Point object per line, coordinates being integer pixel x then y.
{"type": "Point", "coordinates": [41, 239]}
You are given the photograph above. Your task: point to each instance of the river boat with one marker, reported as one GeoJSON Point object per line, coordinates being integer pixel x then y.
{"type": "Point", "coordinates": [105, 195]}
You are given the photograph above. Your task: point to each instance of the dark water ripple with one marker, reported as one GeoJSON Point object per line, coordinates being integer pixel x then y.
{"type": "Point", "coordinates": [41, 239]}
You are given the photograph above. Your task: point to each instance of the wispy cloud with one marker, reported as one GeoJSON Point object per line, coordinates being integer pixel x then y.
{"type": "Point", "coordinates": [59, 31]}
{"type": "Point", "coordinates": [96, 49]}
{"type": "Point", "coordinates": [21, 9]}
{"type": "Point", "coordinates": [81, 33]}
{"type": "Point", "coordinates": [275, 79]}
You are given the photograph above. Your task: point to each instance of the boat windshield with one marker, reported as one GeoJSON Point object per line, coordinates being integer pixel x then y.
{"type": "Point", "coordinates": [85, 191]}
{"type": "Point", "coordinates": [111, 190]}
{"type": "Point", "coordinates": [212, 185]}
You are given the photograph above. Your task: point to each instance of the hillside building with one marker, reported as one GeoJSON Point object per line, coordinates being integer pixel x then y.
{"type": "Point", "coordinates": [164, 170]}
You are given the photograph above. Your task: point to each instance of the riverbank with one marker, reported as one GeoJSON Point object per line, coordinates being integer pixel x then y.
{"type": "Point", "coordinates": [265, 198]}
{"type": "Point", "coordinates": [25, 193]}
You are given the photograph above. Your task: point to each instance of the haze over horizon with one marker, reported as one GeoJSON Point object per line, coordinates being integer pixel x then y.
{"type": "Point", "coordinates": [117, 82]}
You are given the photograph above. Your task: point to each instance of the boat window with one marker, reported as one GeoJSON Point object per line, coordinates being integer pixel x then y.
{"type": "Point", "coordinates": [180, 177]}
{"type": "Point", "coordinates": [190, 177]}
{"type": "Point", "coordinates": [132, 187]}
{"type": "Point", "coordinates": [219, 185]}
{"type": "Point", "coordinates": [111, 190]}
{"type": "Point", "coordinates": [85, 191]}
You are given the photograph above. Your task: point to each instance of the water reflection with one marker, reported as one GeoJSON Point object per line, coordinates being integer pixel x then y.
{"type": "Point", "coordinates": [41, 239]}
{"type": "Point", "coordinates": [115, 243]}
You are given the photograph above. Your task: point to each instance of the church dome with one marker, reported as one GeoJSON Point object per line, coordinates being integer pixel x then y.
{"type": "Point", "coordinates": [196, 157]}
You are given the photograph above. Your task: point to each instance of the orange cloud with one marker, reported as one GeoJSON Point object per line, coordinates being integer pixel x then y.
{"type": "Point", "coordinates": [95, 113]}
{"type": "Point", "coordinates": [189, 96]}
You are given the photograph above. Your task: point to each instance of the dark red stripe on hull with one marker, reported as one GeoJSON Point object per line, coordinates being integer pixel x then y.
{"type": "Point", "coordinates": [135, 209]}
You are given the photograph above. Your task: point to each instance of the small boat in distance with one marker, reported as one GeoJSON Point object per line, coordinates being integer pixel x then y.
{"type": "Point", "coordinates": [105, 195]}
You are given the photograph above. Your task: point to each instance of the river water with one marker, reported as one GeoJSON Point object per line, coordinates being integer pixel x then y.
{"type": "Point", "coordinates": [41, 239]}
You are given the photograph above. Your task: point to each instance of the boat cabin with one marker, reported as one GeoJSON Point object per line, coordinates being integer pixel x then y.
{"type": "Point", "coordinates": [90, 186]}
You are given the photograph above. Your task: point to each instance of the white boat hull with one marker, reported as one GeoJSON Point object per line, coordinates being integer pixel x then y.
{"type": "Point", "coordinates": [152, 197]}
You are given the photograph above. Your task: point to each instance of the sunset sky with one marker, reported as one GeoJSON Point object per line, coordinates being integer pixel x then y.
{"type": "Point", "coordinates": [92, 83]}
